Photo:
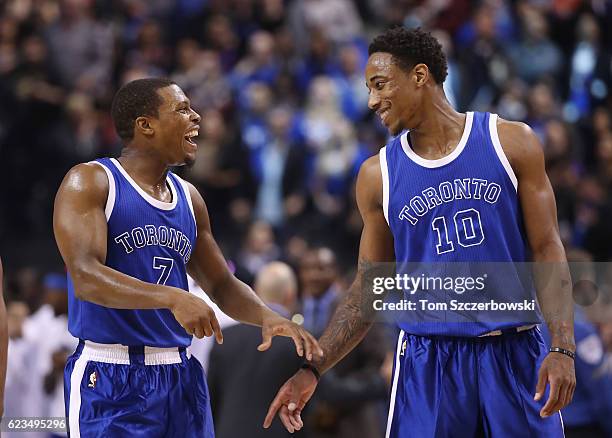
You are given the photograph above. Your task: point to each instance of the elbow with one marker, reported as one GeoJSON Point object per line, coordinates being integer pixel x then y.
{"type": "Point", "coordinates": [83, 281]}
{"type": "Point", "coordinates": [549, 250]}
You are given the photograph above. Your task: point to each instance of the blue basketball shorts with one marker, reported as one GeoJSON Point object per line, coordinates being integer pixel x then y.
{"type": "Point", "coordinates": [112, 390]}
{"type": "Point", "coordinates": [447, 387]}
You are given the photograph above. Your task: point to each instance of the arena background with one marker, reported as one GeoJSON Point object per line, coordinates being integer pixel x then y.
{"type": "Point", "coordinates": [285, 127]}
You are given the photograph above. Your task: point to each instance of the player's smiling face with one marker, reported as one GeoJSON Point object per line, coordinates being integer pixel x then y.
{"type": "Point", "coordinates": [393, 92]}
{"type": "Point", "coordinates": [176, 126]}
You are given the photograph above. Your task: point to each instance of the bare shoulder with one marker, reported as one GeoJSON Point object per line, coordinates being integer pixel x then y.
{"type": "Point", "coordinates": [88, 179]}
{"type": "Point", "coordinates": [369, 184]}
{"type": "Point", "coordinates": [520, 144]}
{"type": "Point", "coordinates": [196, 198]}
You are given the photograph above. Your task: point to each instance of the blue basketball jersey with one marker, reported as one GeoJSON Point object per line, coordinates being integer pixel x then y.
{"type": "Point", "coordinates": [461, 208]}
{"type": "Point", "coordinates": [149, 240]}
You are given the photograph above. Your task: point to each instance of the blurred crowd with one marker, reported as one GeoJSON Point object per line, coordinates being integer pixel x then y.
{"type": "Point", "coordinates": [285, 127]}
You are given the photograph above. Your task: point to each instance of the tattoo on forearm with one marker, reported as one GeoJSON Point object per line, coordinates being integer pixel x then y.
{"type": "Point", "coordinates": [554, 287]}
{"type": "Point", "coordinates": [348, 325]}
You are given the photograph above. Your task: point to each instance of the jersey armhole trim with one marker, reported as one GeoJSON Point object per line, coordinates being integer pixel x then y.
{"type": "Point", "coordinates": [384, 170]}
{"type": "Point", "coordinates": [187, 192]}
{"type": "Point", "coordinates": [110, 199]}
{"type": "Point", "coordinates": [500, 151]}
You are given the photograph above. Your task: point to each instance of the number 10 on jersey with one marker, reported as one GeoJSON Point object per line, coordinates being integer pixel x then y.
{"type": "Point", "coordinates": [468, 230]}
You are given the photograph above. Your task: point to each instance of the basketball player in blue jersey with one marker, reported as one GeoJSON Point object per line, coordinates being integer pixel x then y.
{"type": "Point", "coordinates": [130, 231]}
{"type": "Point", "coordinates": [468, 379]}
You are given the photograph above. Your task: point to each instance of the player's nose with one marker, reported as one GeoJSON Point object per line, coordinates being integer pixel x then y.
{"type": "Point", "coordinates": [373, 101]}
{"type": "Point", "coordinates": [195, 117]}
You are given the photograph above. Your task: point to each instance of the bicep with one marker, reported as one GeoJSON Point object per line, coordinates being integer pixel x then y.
{"type": "Point", "coordinates": [79, 222]}
{"type": "Point", "coordinates": [376, 244]}
{"type": "Point", "coordinates": [537, 198]}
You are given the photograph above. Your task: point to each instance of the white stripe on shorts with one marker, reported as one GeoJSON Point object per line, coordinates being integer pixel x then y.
{"type": "Point", "coordinates": [395, 379]}
{"type": "Point", "coordinates": [75, 396]}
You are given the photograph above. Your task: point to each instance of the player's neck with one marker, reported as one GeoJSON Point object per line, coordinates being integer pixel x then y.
{"type": "Point", "coordinates": [144, 167]}
{"type": "Point", "coordinates": [439, 130]}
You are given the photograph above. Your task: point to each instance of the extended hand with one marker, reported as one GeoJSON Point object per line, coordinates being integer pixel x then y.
{"type": "Point", "coordinates": [291, 399]}
{"type": "Point", "coordinates": [558, 370]}
{"type": "Point", "coordinates": [196, 317]}
{"type": "Point", "coordinates": [276, 325]}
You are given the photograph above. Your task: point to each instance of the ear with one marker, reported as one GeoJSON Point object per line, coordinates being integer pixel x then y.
{"type": "Point", "coordinates": [143, 125]}
{"type": "Point", "coordinates": [421, 74]}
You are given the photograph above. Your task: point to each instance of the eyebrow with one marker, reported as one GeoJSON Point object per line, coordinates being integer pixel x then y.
{"type": "Point", "coordinates": [186, 102]}
{"type": "Point", "coordinates": [373, 78]}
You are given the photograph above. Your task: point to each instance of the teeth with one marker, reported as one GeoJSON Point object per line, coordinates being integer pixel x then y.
{"type": "Point", "coordinates": [192, 133]}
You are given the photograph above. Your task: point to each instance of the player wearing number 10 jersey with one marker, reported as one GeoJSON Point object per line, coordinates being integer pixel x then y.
{"type": "Point", "coordinates": [454, 188]}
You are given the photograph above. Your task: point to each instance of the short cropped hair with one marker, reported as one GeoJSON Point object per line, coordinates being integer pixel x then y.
{"type": "Point", "coordinates": [136, 99]}
{"type": "Point", "coordinates": [412, 47]}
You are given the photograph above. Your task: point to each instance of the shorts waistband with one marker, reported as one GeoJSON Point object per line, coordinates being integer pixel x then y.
{"type": "Point", "coordinates": [508, 330]}
{"type": "Point", "coordinates": [132, 355]}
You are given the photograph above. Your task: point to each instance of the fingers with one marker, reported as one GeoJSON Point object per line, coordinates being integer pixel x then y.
{"type": "Point", "coordinates": [298, 341]}
{"type": "Point", "coordinates": [216, 329]}
{"type": "Point", "coordinates": [266, 340]}
{"type": "Point", "coordinates": [198, 332]}
{"type": "Point", "coordinates": [290, 419]}
{"type": "Point", "coordinates": [553, 399]}
{"type": "Point", "coordinates": [312, 345]}
{"type": "Point", "coordinates": [274, 407]}
{"type": "Point", "coordinates": [541, 386]}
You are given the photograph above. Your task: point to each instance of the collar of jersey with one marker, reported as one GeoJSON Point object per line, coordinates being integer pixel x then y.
{"type": "Point", "coordinates": [444, 160]}
{"type": "Point", "coordinates": [150, 199]}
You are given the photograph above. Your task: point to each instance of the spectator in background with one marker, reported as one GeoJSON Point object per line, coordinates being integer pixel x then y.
{"type": "Point", "coordinates": [483, 60]}
{"type": "Point", "coordinates": [259, 249]}
{"type": "Point", "coordinates": [544, 56]}
{"type": "Point", "coordinates": [349, 81]}
{"type": "Point", "coordinates": [81, 48]}
{"type": "Point", "coordinates": [199, 73]}
{"type": "Point", "coordinates": [46, 330]}
{"type": "Point", "coordinates": [260, 63]}
{"type": "Point", "coordinates": [279, 168]}
{"type": "Point", "coordinates": [220, 171]}
{"type": "Point", "coordinates": [319, 293]}
{"type": "Point", "coordinates": [22, 390]}
{"type": "Point", "coordinates": [332, 139]}
{"type": "Point", "coordinates": [243, 381]}
{"type": "Point", "coordinates": [338, 20]}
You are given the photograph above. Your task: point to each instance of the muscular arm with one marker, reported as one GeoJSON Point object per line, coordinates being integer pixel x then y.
{"type": "Point", "coordinates": [553, 282]}
{"type": "Point", "coordinates": [208, 268]}
{"type": "Point", "coordinates": [349, 325]}
{"type": "Point", "coordinates": [80, 231]}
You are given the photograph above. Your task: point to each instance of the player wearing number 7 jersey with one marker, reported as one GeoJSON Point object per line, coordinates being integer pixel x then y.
{"type": "Point", "coordinates": [454, 188]}
{"type": "Point", "coordinates": [130, 231]}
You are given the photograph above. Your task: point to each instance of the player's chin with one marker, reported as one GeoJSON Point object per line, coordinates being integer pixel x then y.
{"type": "Point", "coordinates": [190, 159]}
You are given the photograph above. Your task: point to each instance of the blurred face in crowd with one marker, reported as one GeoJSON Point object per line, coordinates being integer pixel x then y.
{"type": "Point", "coordinates": [317, 272]}
{"type": "Point", "coordinates": [395, 94]}
{"type": "Point", "coordinates": [174, 129]}
{"type": "Point", "coordinates": [16, 314]}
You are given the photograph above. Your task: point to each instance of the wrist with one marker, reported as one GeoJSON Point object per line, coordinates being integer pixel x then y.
{"type": "Point", "coordinates": [308, 367]}
{"type": "Point", "coordinates": [560, 350]}
{"type": "Point", "coordinates": [172, 299]}
{"type": "Point", "coordinates": [563, 343]}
